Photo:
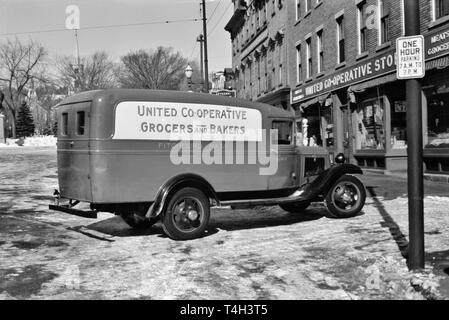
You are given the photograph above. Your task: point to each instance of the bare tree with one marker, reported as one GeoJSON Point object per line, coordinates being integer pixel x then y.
{"type": "Point", "coordinates": [158, 69]}
{"type": "Point", "coordinates": [20, 66]}
{"type": "Point", "coordinates": [95, 72]}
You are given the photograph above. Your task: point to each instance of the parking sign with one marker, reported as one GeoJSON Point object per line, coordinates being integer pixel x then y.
{"type": "Point", "coordinates": [410, 57]}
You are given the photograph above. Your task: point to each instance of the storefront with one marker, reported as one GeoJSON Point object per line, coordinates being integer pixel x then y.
{"type": "Point", "coordinates": [367, 115]}
{"type": "Point", "coordinates": [436, 129]}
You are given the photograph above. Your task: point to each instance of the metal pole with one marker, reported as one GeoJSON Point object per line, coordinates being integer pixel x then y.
{"type": "Point", "coordinates": [206, 68]}
{"type": "Point", "coordinates": [414, 151]}
{"type": "Point", "coordinates": [200, 40]}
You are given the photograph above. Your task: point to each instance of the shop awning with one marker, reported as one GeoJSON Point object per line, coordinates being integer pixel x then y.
{"type": "Point", "coordinates": [373, 83]}
{"type": "Point", "coordinates": [324, 99]}
{"type": "Point", "coordinates": [439, 63]}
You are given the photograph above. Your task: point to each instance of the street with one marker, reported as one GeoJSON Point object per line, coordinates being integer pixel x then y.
{"type": "Point", "coordinates": [265, 253]}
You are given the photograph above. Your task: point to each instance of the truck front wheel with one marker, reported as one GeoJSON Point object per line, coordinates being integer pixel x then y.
{"type": "Point", "coordinates": [187, 214]}
{"type": "Point", "coordinates": [346, 198]}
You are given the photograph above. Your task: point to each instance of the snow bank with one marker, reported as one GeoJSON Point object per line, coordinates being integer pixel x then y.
{"type": "Point", "coordinates": [35, 141]}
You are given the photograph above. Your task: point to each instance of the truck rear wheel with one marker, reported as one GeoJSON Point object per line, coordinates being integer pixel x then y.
{"type": "Point", "coordinates": [187, 214]}
{"type": "Point", "coordinates": [296, 207]}
{"type": "Point", "coordinates": [346, 198]}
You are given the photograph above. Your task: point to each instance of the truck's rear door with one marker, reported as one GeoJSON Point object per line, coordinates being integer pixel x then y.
{"type": "Point", "coordinates": [73, 151]}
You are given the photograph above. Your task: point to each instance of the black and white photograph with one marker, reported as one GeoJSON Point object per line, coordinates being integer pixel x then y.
{"type": "Point", "coordinates": [224, 155]}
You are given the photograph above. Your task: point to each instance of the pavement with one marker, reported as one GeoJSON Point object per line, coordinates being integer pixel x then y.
{"type": "Point", "coordinates": [264, 253]}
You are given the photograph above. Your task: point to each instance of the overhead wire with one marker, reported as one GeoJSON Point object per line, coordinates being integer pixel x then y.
{"type": "Point", "coordinates": [221, 18]}
{"type": "Point", "coordinates": [104, 27]}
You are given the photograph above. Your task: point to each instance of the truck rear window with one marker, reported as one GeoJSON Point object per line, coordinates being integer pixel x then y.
{"type": "Point", "coordinates": [64, 122]}
{"type": "Point", "coordinates": [80, 123]}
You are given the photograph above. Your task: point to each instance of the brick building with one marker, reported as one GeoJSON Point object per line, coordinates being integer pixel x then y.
{"type": "Point", "coordinates": [340, 66]}
{"type": "Point", "coordinates": [259, 50]}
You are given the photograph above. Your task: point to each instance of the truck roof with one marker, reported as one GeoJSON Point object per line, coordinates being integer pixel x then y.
{"type": "Point", "coordinates": [118, 95]}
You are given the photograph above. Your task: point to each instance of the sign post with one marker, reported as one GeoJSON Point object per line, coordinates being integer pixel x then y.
{"type": "Point", "coordinates": [411, 66]}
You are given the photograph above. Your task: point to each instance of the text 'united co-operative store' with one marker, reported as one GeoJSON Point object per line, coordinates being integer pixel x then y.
{"type": "Point", "coordinates": [361, 109]}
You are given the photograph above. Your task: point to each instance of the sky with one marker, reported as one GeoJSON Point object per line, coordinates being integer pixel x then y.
{"type": "Point", "coordinates": [25, 19]}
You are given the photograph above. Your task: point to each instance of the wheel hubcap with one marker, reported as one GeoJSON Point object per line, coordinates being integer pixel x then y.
{"type": "Point", "coordinates": [187, 214]}
{"type": "Point", "coordinates": [346, 196]}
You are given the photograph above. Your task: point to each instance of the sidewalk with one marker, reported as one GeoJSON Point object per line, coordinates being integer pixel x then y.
{"type": "Point", "coordinates": [383, 189]}
{"type": "Point", "coordinates": [442, 178]}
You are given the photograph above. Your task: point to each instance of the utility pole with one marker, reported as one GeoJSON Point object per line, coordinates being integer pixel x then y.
{"type": "Point", "coordinates": [414, 151]}
{"type": "Point", "coordinates": [201, 40]}
{"type": "Point", "coordinates": [206, 68]}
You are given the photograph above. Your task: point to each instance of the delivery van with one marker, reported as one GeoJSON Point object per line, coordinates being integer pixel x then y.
{"type": "Point", "coordinates": [170, 156]}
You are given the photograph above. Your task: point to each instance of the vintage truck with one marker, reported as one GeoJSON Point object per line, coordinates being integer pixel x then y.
{"type": "Point", "coordinates": [170, 156]}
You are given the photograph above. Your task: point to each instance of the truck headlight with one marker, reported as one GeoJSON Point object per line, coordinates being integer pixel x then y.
{"type": "Point", "coordinates": [340, 158]}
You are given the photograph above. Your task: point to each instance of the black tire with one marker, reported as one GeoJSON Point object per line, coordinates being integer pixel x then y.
{"type": "Point", "coordinates": [346, 198]}
{"type": "Point", "coordinates": [296, 207]}
{"type": "Point", "coordinates": [137, 221]}
{"type": "Point", "coordinates": [176, 222]}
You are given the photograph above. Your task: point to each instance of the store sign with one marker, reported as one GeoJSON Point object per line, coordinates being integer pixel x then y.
{"type": "Point", "coordinates": [362, 71]}
{"type": "Point", "coordinates": [437, 43]}
{"type": "Point", "coordinates": [224, 92]}
{"type": "Point", "coordinates": [410, 57]}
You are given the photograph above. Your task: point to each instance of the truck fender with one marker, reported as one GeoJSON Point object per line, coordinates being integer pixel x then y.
{"type": "Point", "coordinates": [176, 183]}
{"type": "Point", "coordinates": [322, 184]}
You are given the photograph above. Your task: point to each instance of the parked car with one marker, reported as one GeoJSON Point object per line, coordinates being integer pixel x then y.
{"type": "Point", "coordinates": [115, 151]}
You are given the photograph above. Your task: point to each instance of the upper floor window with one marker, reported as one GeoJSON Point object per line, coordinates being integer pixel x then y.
{"type": "Point", "coordinates": [363, 28]}
{"type": "Point", "coordinates": [308, 5]}
{"type": "Point", "coordinates": [341, 39]}
{"type": "Point", "coordinates": [298, 9]}
{"type": "Point", "coordinates": [384, 22]}
{"type": "Point", "coordinates": [441, 8]}
{"type": "Point", "coordinates": [309, 57]}
{"type": "Point", "coordinates": [298, 64]}
{"type": "Point", "coordinates": [320, 51]}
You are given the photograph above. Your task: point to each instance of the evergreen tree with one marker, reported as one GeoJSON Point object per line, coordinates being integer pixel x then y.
{"type": "Point", "coordinates": [25, 123]}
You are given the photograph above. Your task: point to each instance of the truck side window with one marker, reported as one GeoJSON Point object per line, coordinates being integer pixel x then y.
{"type": "Point", "coordinates": [64, 122]}
{"type": "Point", "coordinates": [80, 123]}
{"type": "Point", "coordinates": [285, 131]}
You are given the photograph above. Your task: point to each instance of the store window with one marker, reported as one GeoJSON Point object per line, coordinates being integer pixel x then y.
{"type": "Point", "coordinates": [399, 125]}
{"type": "Point", "coordinates": [438, 117]}
{"type": "Point", "coordinates": [316, 126]}
{"type": "Point", "coordinates": [370, 133]}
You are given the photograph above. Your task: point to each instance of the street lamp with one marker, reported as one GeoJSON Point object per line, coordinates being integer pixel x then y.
{"type": "Point", "coordinates": [189, 72]}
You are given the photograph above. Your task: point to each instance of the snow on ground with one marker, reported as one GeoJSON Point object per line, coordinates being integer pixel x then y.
{"type": "Point", "coordinates": [34, 141]}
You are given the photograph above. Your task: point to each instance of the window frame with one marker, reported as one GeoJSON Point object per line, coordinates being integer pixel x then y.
{"type": "Point", "coordinates": [341, 44]}
{"type": "Point", "coordinates": [320, 51]}
{"type": "Point", "coordinates": [64, 124]}
{"type": "Point", "coordinates": [79, 132]}
{"type": "Point", "coordinates": [362, 29]}
{"type": "Point", "coordinates": [299, 71]}
{"type": "Point", "coordinates": [309, 58]}
{"type": "Point", "coordinates": [292, 139]}
{"type": "Point", "coordinates": [383, 18]}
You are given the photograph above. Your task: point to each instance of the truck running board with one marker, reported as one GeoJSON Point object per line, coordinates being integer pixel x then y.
{"type": "Point", "coordinates": [296, 197]}
{"type": "Point", "coordinates": [81, 213]}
